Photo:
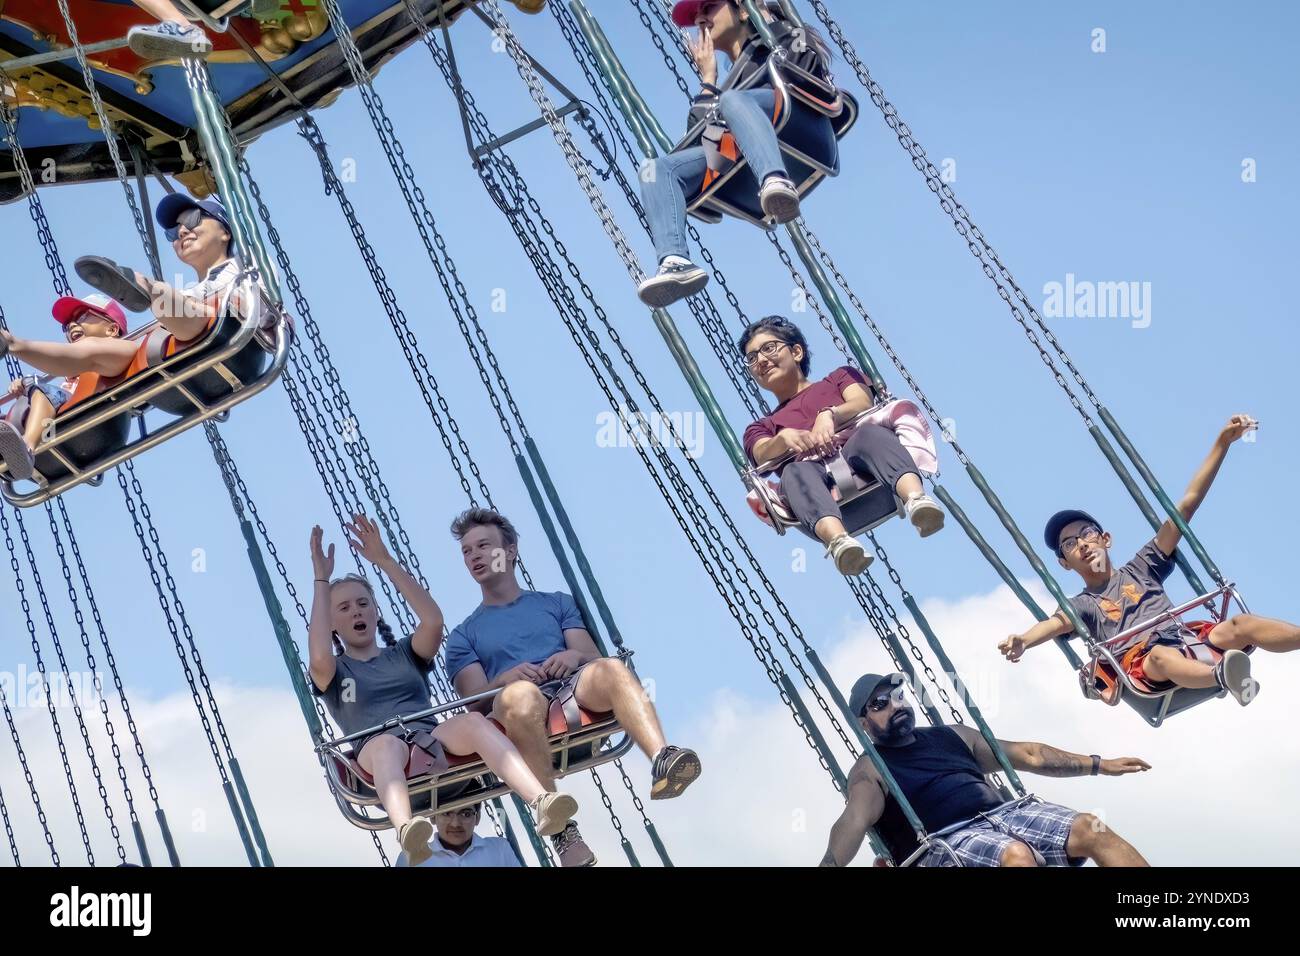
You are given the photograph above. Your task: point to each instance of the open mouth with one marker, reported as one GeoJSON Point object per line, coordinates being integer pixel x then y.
{"type": "Point", "coordinates": [75, 335]}
{"type": "Point", "coordinates": [359, 627]}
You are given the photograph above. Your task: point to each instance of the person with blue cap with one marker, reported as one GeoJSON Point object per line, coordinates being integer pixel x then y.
{"type": "Point", "coordinates": [942, 772]}
{"type": "Point", "coordinates": [94, 330]}
{"type": "Point", "coordinates": [202, 238]}
{"type": "Point", "coordinates": [1116, 600]}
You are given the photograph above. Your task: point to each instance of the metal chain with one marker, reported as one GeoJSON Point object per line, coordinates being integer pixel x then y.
{"type": "Point", "coordinates": [663, 51]}
{"type": "Point", "coordinates": [98, 689]}
{"type": "Point", "coordinates": [609, 808]}
{"type": "Point", "coordinates": [122, 700]}
{"type": "Point", "coordinates": [30, 779]}
{"type": "Point", "coordinates": [34, 206]}
{"type": "Point", "coordinates": [9, 830]}
{"type": "Point", "coordinates": [40, 663]}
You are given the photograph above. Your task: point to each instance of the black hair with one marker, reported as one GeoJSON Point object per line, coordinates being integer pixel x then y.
{"type": "Point", "coordinates": [783, 329]}
{"type": "Point", "coordinates": [811, 35]}
{"type": "Point", "coordinates": [385, 632]}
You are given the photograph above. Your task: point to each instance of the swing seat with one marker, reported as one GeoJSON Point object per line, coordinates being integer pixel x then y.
{"type": "Point", "coordinates": [865, 503]}
{"type": "Point", "coordinates": [1105, 675]}
{"type": "Point", "coordinates": [197, 381]}
{"type": "Point", "coordinates": [804, 102]}
{"type": "Point", "coordinates": [579, 741]}
{"type": "Point", "coordinates": [938, 839]}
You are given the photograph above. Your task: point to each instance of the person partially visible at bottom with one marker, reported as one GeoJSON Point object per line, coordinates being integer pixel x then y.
{"type": "Point", "coordinates": [95, 329]}
{"type": "Point", "coordinates": [365, 686]}
{"type": "Point", "coordinates": [534, 646]}
{"type": "Point", "coordinates": [456, 843]}
{"type": "Point", "coordinates": [173, 37]}
{"type": "Point", "coordinates": [941, 771]}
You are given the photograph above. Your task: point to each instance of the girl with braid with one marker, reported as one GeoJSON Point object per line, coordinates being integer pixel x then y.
{"type": "Point", "coordinates": [364, 685]}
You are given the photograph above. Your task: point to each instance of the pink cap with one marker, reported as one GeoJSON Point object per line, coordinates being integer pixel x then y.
{"type": "Point", "coordinates": [69, 308]}
{"type": "Point", "coordinates": [685, 12]}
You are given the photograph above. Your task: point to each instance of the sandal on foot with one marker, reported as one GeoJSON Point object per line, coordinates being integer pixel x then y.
{"type": "Point", "coordinates": [116, 282]}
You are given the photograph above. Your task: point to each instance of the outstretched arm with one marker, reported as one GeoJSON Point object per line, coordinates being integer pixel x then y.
{"type": "Point", "coordinates": [1014, 647]}
{"type": "Point", "coordinates": [865, 804]}
{"type": "Point", "coordinates": [1168, 536]}
{"type": "Point", "coordinates": [105, 356]}
{"type": "Point", "coordinates": [1043, 759]}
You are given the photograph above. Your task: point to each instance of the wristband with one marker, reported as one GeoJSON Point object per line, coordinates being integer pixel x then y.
{"type": "Point", "coordinates": [1096, 764]}
{"type": "Point", "coordinates": [322, 580]}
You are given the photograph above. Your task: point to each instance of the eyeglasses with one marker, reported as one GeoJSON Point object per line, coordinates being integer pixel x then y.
{"type": "Point", "coordinates": [190, 219]}
{"type": "Point", "coordinates": [767, 350]}
{"type": "Point", "coordinates": [1088, 534]}
{"type": "Point", "coordinates": [464, 813]}
{"type": "Point", "coordinates": [895, 696]}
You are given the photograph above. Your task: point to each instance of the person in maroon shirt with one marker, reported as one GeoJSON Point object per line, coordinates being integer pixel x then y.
{"type": "Point", "coordinates": [807, 423]}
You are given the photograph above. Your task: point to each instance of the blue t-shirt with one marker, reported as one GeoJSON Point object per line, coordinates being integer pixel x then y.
{"type": "Point", "coordinates": [528, 630]}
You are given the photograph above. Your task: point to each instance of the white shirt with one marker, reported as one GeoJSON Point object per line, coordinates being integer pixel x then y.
{"type": "Point", "coordinates": [482, 851]}
{"type": "Point", "coordinates": [212, 288]}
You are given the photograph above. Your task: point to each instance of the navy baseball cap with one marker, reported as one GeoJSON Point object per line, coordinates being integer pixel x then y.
{"type": "Point", "coordinates": [1056, 524]}
{"type": "Point", "coordinates": [172, 205]}
{"type": "Point", "coordinates": [866, 686]}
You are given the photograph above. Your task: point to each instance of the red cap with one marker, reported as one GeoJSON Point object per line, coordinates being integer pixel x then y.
{"type": "Point", "coordinates": [69, 308]}
{"type": "Point", "coordinates": [685, 12]}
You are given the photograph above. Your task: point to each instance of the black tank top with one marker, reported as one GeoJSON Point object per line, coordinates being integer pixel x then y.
{"type": "Point", "coordinates": [941, 780]}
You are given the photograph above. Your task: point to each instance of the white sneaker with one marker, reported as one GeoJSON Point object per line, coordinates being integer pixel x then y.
{"type": "Point", "coordinates": [676, 279]}
{"type": "Point", "coordinates": [779, 199]}
{"type": "Point", "coordinates": [414, 837]}
{"type": "Point", "coordinates": [15, 453]}
{"type": "Point", "coordinates": [553, 812]}
{"type": "Point", "coordinates": [1233, 674]}
{"type": "Point", "coordinates": [924, 513]}
{"type": "Point", "coordinates": [850, 557]}
{"type": "Point", "coordinates": [168, 41]}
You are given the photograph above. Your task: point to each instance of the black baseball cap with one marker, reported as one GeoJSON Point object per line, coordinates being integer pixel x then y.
{"type": "Point", "coordinates": [1056, 524]}
{"type": "Point", "coordinates": [866, 686]}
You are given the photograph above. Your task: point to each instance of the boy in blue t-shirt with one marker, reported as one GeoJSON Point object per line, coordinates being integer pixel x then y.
{"type": "Point", "coordinates": [534, 647]}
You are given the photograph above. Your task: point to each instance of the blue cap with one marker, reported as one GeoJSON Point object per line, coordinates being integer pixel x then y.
{"type": "Point", "coordinates": [172, 205]}
{"type": "Point", "coordinates": [1056, 524]}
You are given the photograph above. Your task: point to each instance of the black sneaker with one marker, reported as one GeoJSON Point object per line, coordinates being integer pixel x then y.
{"type": "Point", "coordinates": [674, 769]}
{"type": "Point", "coordinates": [676, 279]}
{"type": "Point", "coordinates": [571, 849]}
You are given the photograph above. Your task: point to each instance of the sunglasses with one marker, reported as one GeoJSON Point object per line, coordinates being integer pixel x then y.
{"type": "Point", "coordinates": [878, 704]}
{"type": "Point", "coordinates": [190, 219]}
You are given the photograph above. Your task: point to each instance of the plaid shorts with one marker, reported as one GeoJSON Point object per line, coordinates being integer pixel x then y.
{"type": "Point", "coordinates": [1043, 826]}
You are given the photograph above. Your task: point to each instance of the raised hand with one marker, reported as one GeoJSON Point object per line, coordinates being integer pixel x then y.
{"type": "Point", "coordinates": [703, 54]}
{"type": "Point", "coordinates": [1237, 426]}
{"type": "Point", "coordinates": [1013, 648]}
{"type": "Point", "coordinates": [367, 540]}
{"type": "Point", "coordinates": [322, 562]}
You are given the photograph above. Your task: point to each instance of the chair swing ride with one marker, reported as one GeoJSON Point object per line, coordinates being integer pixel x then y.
{"type": "Point", "coordinates": [80, 107]}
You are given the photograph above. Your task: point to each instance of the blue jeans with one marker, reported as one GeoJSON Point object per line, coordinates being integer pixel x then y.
{"type": "Point", "coordinates": [748, 114]}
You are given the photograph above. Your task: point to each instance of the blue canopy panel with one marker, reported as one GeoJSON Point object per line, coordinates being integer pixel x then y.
{"type": "Point", "coordinates": [149, 103]}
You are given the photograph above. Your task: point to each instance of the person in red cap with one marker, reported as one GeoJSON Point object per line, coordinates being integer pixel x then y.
{"type": "Point", "coordinates": [1115, 600]}
{"type": "Point", "coordinates": [746, 105]}
{"type": "Point", "coordinates": [95, 329]}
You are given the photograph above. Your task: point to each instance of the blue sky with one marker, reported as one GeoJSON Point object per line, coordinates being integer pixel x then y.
{"type": "Point", "coordinates": [1119, 166]}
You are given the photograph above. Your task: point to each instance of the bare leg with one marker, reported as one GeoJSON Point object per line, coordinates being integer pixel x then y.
{"type": "Point", "coordinates": [162, 10]}
{"type": "Point", "coordinates": [40, 413]}
{"type": "Point", "coordinates": [908, 485]}
{"type": "Point", "coordinates": [1251, 630]}
{"type": "Point", "coordinates": [1090, 838]}
{"type": "Point", "coordinates": [384, 758]}
{"type": "Point", "coordinates": [607, 685]}
{"type": "Point", "coordinates": [1018, 854]}
{"type": "Point", "coordinates": [1164, 663]}
{"type": "Point", "coordinates": [472, 733]}
{"type": "Point", "coordinates": [521, 708]}
{"type": "Point", "coordinates": [828, 529]}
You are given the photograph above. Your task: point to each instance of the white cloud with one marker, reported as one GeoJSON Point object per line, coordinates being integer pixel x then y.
{"type": "Point", "coordinates": [1220, 793]}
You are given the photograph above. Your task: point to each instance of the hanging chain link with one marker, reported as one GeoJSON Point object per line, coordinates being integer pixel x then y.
{"type": "Point", "coordinates": [31, 782]}
{"type": "Point", "coordinates": [40, 663]}
{"type": "Point", "coordinates": [9, 830]}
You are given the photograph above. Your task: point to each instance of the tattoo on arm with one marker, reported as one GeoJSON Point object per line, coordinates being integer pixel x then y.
{"type": "Point", "coordinates": [1060, 763]}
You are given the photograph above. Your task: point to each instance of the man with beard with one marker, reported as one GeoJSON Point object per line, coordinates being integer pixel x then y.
{"type": "Point", "coordinates": [940, 771]}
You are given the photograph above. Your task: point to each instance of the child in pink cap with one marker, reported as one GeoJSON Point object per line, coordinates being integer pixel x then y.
{"type": "Point", "coordinates": [95, 329]}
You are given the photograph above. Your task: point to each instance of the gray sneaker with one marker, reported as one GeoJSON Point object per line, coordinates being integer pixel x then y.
{"type": "Point", "coordinates": [850, 557]}
{"type": "Point", "coordinates": [571, 849]}
{"type": "Point", "coordinates": [925, 514]}
{"type": "Point", "coordinates": [1233, 674]}
{"type": "Point", "coordinates": [168, 41]}
{"type": "Point", "coordinates": [15, 453]}
{"type": "Point", "coordinates": [676, 279]}
{"type": "Point", "coordinates": [779, 199]}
